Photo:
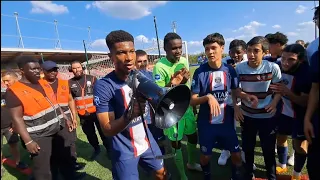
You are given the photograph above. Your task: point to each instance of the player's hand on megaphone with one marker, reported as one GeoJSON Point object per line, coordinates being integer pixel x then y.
{"type": "Point", "coordinates": [136, 107]}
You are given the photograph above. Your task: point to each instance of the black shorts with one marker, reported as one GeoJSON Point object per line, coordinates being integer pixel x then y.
{"type": "Point", "coordinates": [12, 138]}
{"type": "Point", "coordinates": [285, 125]}
{"type": "Point", "coordinates": [298, 130]}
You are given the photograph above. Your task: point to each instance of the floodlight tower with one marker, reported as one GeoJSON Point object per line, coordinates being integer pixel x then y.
{"type": "Point", "coordinates": [18, 29]}
{"type": "Point", "coordinates": [174, 26]}
{"type": "Point", "coordinates": [58, 44]}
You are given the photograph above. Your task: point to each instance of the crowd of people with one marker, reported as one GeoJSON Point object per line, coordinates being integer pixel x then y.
{"type": "Point", "coordinates": [270, 87]}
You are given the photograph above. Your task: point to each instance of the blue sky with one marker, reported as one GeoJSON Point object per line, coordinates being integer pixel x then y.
{"type": "Point", "coordinates": [195, 20]}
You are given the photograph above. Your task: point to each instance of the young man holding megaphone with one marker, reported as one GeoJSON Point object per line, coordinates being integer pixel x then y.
{"type": "Point", "coordinates": [120, 111]}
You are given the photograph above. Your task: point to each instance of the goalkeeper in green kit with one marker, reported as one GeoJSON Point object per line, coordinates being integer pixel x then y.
{"type": "Point", "coordinates": [170, 71]}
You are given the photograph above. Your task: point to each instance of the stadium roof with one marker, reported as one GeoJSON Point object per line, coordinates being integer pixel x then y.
{"type": "Point", "coordinates": [57, 55]}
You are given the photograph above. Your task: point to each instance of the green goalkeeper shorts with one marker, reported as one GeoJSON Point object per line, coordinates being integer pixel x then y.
{"type": "Point", "coordinates": [187, 126]}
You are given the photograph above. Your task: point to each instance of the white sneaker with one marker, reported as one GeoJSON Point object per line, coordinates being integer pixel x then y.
{"type": "Point", "coordinates": [195, 167]}
{"type": "Point", "coordinates": [291, 160]}
{"type": "Point", "coordinates": [243, 156]}
{"type": "Point", "coordinates": [254, 167]}
{"type": "Point", "coordinates": [224, 156]}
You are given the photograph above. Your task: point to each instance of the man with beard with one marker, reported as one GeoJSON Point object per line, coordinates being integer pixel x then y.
{"type": "Point", "coordinates": [81, 88]}
{"type": "Point", "coordinates": [295, 87]}
{"type": "Point", "coordinates": [40, 121]}
{"type": "Point", "coordinates": [258, 105]}
{"type": "Point", "coordinates": [170, 71]}
{"type": "Point", "coordinates": [9, 78]}
{"type": "Point", "coordinates": [66, 102]}
{"type": "Point", "coordinates": [277, 43]}
{"type": "Point", "coordinates": [121, 114]}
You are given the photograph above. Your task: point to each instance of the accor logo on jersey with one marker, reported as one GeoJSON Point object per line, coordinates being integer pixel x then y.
{"type": "Point", "coordinates": [221, 96]}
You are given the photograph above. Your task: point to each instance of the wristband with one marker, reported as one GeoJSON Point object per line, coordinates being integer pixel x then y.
{"type": "Point", "coordinates": [28, 142]}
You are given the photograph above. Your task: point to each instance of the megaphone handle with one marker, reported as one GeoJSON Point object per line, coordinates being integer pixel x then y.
{"type": "Point", "coordinates": [145, 128]}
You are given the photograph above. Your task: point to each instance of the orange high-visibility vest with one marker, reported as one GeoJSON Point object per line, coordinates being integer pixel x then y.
{"type": "Point", "coordinates": [36, 105]}
{"type": "Point", "coordinates": [85, 102]}
{"type": "Point", "coordinates": [62, 95]}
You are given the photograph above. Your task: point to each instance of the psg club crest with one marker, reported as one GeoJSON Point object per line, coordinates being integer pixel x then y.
{"type": "Point", "coordinates": [217, 80]}
{"type": "Point", "coordinates": [285, 81]}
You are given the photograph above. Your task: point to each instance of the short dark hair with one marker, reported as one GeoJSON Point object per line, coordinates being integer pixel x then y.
{"type": "Point", "coordinates": [74, 62]}
{"type": "Point", "coordinates": [141, 52]}
{"type": "Point", "coordinates": [214, 38]}
{"type": "Point", "coordinates": [268, 35]}
{"type": "Point", "coordinates": [260, 40]}
{"type": "Point", "coordinates": [278, 37]}
{"type": "Point", "coordinates": [170, 36]}
{"type": "Point", "coordinates": [297, 49]}
{"type": "Point", "coordinates": [23, 60]}
{"type": "Point", "coordinates": [118, 36]}
{"type": "Point", "coordinates": [237, 43]}
{"type": "Point", "coordinates": [299, 41]}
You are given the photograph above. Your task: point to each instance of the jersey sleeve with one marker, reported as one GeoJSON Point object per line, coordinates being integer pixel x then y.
{"type": "Point", "coordinates": [159, 76]}
{"type": "Point", "coordinates": [234, 78]}
{"type": "Point", "coordinates": [102, 97]}
{"type": "Point", "coordinates": [11, 99]}
{"type": "Point", "coordinates": [276, 73]}
{"type": "Point", "coordinates": [195, 85]}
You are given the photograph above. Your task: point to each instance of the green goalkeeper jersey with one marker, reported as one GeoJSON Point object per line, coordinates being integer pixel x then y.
{"type": "Point", "coordinates": [164, 69]}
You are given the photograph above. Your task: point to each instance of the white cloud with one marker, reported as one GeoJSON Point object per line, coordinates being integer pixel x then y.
{"type": "Point", "coordinates": [41, 7]}
{"type": "Point", "coordinates": [195, 43]}
{"type": "Point", "coordinates": [250, 29]}
{"type": "Point", "coordinates": [127, 9]}
{"type": "Point", "coordinates": [99, 43]}
{"type": "Point", "coordinates": [301, 9]}
{"type": "Point", "coordinates": [276, 26]}
{"type": "Point", "coordinates": [88, 6]}
{"type": "Point", "coordinates": [306, 24]}
{"type": "Point", "coordinates": [143, 39]}
{"type": "Point", "coordinates": [292, 34]}
{"type": "Point", "coordinates": [306, 31]}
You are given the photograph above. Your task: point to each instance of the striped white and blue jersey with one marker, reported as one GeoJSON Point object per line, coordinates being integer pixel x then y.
{"type": "Point", "coordinates": [256, 81]}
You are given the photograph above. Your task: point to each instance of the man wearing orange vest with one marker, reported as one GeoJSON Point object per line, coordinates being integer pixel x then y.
{"type": "Point", "coordinates": [38, 118]}
{"type": "Point", "coordinates": [81, 88]}
{"type": "Point", "coordinates": [66, 102]}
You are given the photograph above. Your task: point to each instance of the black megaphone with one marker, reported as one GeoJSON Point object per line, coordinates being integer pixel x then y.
{"type": "Point", "coordinates": [168, 104]}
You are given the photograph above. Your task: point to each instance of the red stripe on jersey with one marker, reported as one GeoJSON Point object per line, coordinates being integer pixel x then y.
{"type": "Point", "coordinates": [225, 80]}
{"type": "Point", "coordinates": [132, 142]}
{"type": "Point", "coordinates": [124, 99]}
